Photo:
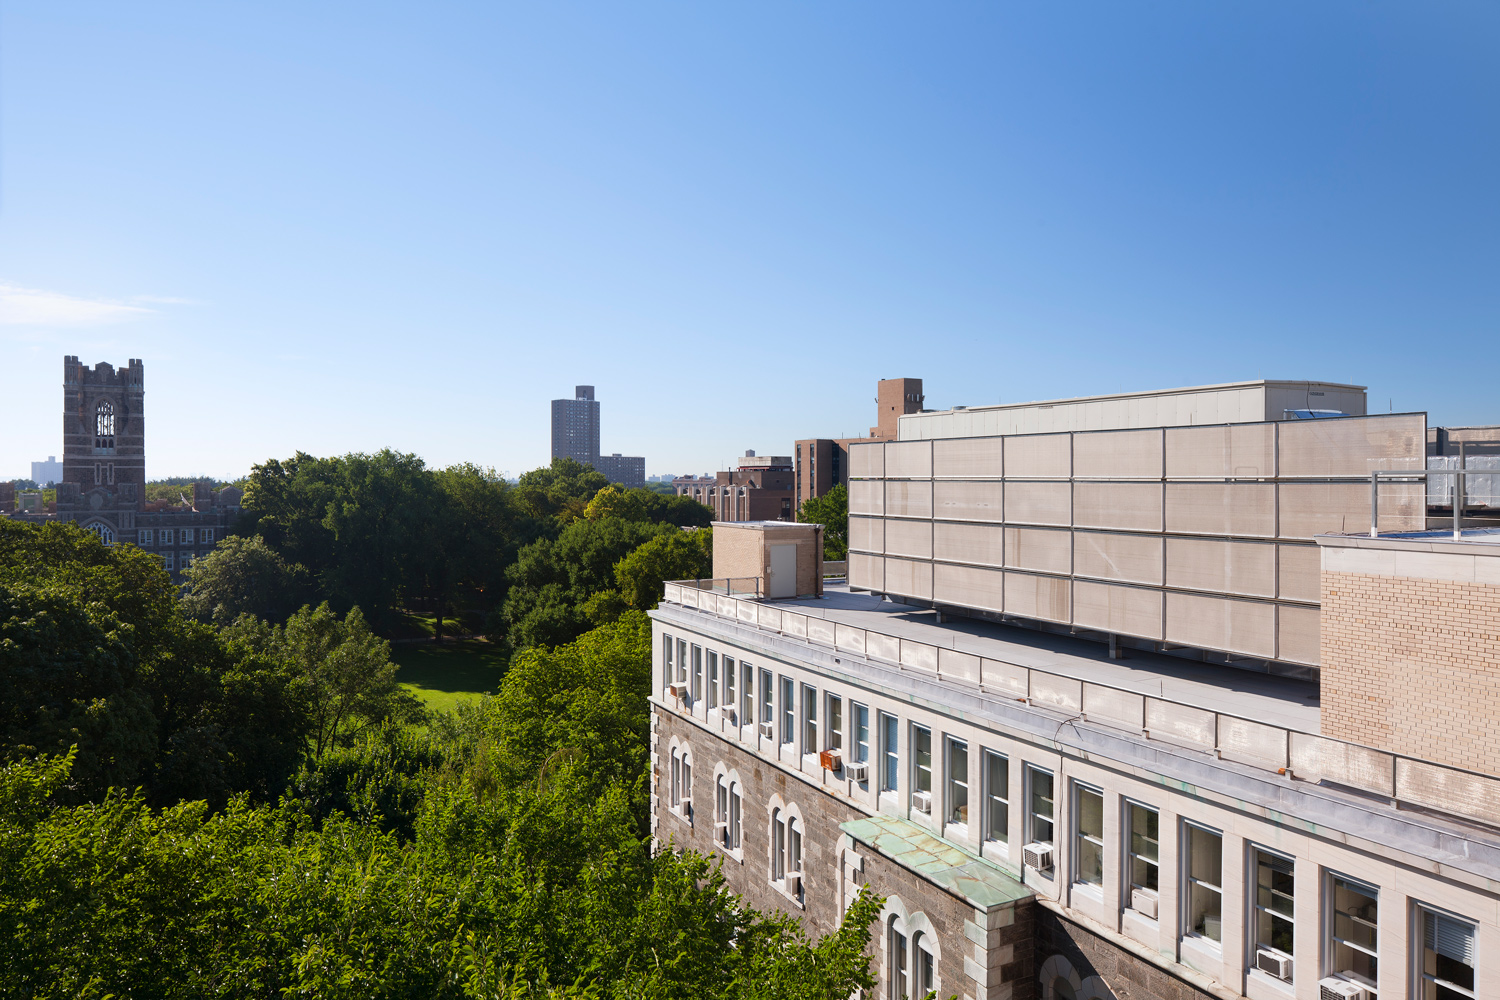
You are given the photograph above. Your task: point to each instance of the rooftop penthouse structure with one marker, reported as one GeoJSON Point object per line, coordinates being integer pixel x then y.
{"type": "Point", "coordinates": [1050, 813]}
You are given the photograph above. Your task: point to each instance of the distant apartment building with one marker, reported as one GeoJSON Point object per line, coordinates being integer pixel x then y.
{"type": "Point", "coordinates": [1137, 697]}
{"type": "Point", "coordinates": [820, 464]}
{"type": "Point", "coordinates": [575, 435]}
{"type": "Point", "coordinates": [48, 472]}
{"type": "Point", "coordinates": [758, 489]}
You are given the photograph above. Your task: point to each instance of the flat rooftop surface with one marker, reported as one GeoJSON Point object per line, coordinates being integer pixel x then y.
{"type": "Point", "coordinates": [1280, 701]}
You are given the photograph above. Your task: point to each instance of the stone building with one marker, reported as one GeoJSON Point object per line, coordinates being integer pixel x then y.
{"type": "Point", "coordinates": [1058, 810]}
{"type": "Point", "coordinates": [104, 474]}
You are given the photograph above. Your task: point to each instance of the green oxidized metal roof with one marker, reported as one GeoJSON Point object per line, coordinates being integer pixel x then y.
{"type": "Point", "coordinates": [980, 882]}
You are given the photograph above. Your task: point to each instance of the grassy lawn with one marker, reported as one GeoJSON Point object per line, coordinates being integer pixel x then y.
{"type": "Point", "coordinates": [453, 674]}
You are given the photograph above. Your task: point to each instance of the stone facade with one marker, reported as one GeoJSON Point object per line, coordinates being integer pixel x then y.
{"type": "Point", "coordinates": [1090, 965]}
{"type": "Point", "coordinates": [1411, 650]}
{"type": "Point", "coordinates": [104, 473]}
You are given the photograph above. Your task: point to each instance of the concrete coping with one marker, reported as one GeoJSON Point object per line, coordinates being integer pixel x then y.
{"type": "Point", "coordinates": [1473, 541]}
{"type": "Point", "coordinates": [982, 883]}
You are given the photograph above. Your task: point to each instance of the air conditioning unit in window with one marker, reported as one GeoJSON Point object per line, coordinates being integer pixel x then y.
{"type": "Point", "coordinates": [830, 759]}
{"type": "Point", "coordinates": [685, 805]}
{"type": "Point", "coordinates": [678, 691]}
{"type": "Point", "coordinates": [1334, 988]}
{"type": "Point", "coordinates": [729, 717]}
{"type": "Point", "coordinates": [1274, 963]}
{"type": "Point", "coordinates": [767, 730]}
{"type": "Point", "coordinates": [794, 883]}
{"type": "Point", "coordinates": [1038, 856]}
{"type": "Point", "coordinates": [921, 801]}
{"type": "Point", "coordinates": [857, 770]}
{"type": "Point", "coordinates": [1143, 901]}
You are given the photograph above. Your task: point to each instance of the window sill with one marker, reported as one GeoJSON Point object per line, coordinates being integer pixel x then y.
{"type": "Point", "coordinates": [682, 817]}
{"type": "Point", "coordinates": [780, 886]}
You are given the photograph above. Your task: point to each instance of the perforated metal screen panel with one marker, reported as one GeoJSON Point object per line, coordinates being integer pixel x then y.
{"type": "Point", "coordinates": [1224, 452]}
{"type": "Point", "coordinates": [1118, 454]}
{"type": "Point", "coordinates": [1299, 572]}
{"type": "Point", "coordinates": [1114, 608]}
{"type": "Point", "coordinates": [908, 538]}
{"type": "Point", "coordinates": [1046, 550]}
{"type": "Point", "coordinates": [866, 496]}
{"type": "Point", "coordinates": [866, 572]}
{"type": "Point", "coordinates": [969, 587]}
{"type": "Point", "coordinates": [1128, 506]}
{"type": "Point", "coordinates": [1297, 634]}
{"type": "Point", "coordinates": [1308, 509]}
{"type": "Point", "coordinates": [908, 460]}
{"type": "Point", "coordinates": [968, 457]}
{"type": "Point", "coordinates": [968, 501]}
{"type": "Point", "coordinates": [866, 461]}
{"type": "Point", "coordinates": [1222, 623]}
{"type": "Point", "coordinates": [908, 498]}
{"type": "Point", "coordinates": [1043, 597]}
{"type": "Point", "coordinates": [1038, 503]}
{"type": "Point", "coordinates": [969, 543]}
{"type": "Point", "coordinates": [1038, 456]}
{"type": "Point", "coordinates": [1245, 509]}
{"type": "Point", "coordinates": [866, 534]}
{"type": "Point", "coordinates": [1111, 556]}
{"type": "Point", "coordinates": [910, 577]}
{"type": "Point", "coordinates": [1222, 566]}
{"type": "Point", "coordinates": [1351, 447]}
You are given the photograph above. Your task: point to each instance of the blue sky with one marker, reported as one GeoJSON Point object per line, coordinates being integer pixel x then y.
{"type": "Point", "coordinates": [342, 227]}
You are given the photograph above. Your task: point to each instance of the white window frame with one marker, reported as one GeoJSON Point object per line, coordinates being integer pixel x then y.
{"type": "Point", "coordinates": [787, 847]}
{"type": "Point", "coordinates": [1187, 930]}
{"type": "Point", "coordinates": [809, 696]}
{"type": "Point", "coordinates": [682, 661]}
{"type": "Point", "coordinates": [144, 537]}
{"type": "Point", "coordinates": [767, 697]}
{"type": "Point", "coordinates": [957, 786]}
{"type": "Point", "coordinates": [1081, 838]}
{"type": "Point", "coordinates": [833, 722]}
{"type": "Point", "coordinates": [919, 771]}
{"type": "Point", "coordinates": [993, 760]}
{"type": "Point", "coordinates": [747, 695]}
{"type": "Point", "coordinates": [788, 710]}
{"type": "Point", "coordinates": [726, 695]}
{"type": "Point", "coordinates": [1033, 818]}
{"type": "Point", "coordinates": [859, 748]}
{"type": "Point", "coordinates": [667, 670]}
{"type": "Point", "coordinates": [680, 787]}
{"type": "Point", "coordinates": [206, 535]}
{"type": "Point", "coordinates": [1331, 939]}
{"type": "Point", "coordinates": [1257, 908]}
{"type": "Point", "coordinates": [713, 678]}
{"type": "Point", "coordinates": [1132, 855]}
{"type": "Point", "coordinates": [889, 736]}
{"type": "Point", "coordinates": [1419, 950]}
{"type": "Point", "coordinates": [697, 688]}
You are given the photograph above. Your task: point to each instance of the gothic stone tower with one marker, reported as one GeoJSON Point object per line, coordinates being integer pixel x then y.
{"type": "Point", "coordinates": [104, 425]}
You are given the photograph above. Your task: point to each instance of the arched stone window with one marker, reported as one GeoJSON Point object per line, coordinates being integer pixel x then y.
{"type": "Point", "coordinates": [728, 809]}
{"type": "Point", "coordinates": [104, 426]}
{"type": "Point", "coordinates": [105, 532]}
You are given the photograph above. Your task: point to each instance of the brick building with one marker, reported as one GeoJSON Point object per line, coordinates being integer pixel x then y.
{"type": "Point", "coordinates": [1056, 810]}
{"type": "Point", "coordinates": [104, 473]}
{"type": "Point", "coordinates": [823, 463]}
{"type": "Point", "coordinates": [758, 489]}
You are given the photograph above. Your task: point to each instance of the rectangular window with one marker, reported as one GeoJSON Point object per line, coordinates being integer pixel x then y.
{"type": "Point", "coordinates": [778, 846]}
{"type": "Point", "coordinates": [145, 537]}
{"type": "Point", "coordinates": [898, 965]}
{"type": "Point", "coordinates": [682, 661]}
{"type": "Point", "coordinates": [921, 758]}
{"type": "Point", "coordinates": [767, 713]}
{"type": "Point", "coordinates": [1447, 969]}
{"type": "Point", "coordinates": [860, 736]}
{"type": "Point", "coordinates": [697, 672]}
{"type": "Point", "coordinates": [167, 560]}
{"type": "Point", "coordinates": [166, 536]}
{"type": "Point", "coordinates": [1040, 815]}
{"type": "Point", "coordinates": [1352, 946]}
{"type": "Point", "coordinates": [1275, 912]}
{"type": "Point", "coordinates": [666, 659]}
{"type": "Point", "coordinates": [187, 536]}
{"type": "Point", "coordinates": [1144, 849]}
{"type": "Point", "coordinates": [788, 710]}
{"type": "Point", "coordinates": [729, 669]}
{"type": "Point", "coordinates": [747, 694]}
{"type": "Point", "coordinates": [713, 679]}
{"type": "Point", "coordinates": [835, 723]}
{"type": "Point", "coordinates": [736, 808]}
{"type": "Point", "coordinates": [205, 535]}
{"type": "Point", "coordinates": [809, 720]}
{"type": "Point", "coordinates": [676, 790]}
{"type": "Point", "coordinates": [996, 797]}
{"type": "Point", "coordinates": [958, 781]}
{"type": "Point", "coordinates": [1205, 883]}
{"type": "Point", "coordinates": [890, 752]}
{"type": "Point", "coordinates": [1088, 845]}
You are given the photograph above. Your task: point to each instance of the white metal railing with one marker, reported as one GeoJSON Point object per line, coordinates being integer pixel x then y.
{"type": "Point", "coordinates": [1460, 475]}
{"type": "Point", "coordinates": [1306, 756]}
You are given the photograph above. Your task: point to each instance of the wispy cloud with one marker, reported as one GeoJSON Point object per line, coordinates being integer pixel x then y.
{"type": "Point", "coordinates": [36, 307]}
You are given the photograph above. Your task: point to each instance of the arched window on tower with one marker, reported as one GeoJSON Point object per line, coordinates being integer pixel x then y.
{"type": "Point", "coordinates": [104, 426]}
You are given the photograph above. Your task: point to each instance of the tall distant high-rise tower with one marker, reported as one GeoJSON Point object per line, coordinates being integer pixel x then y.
{"type": "Point", "coordinates": [575, 426]}
{"type": "Point", "coordinates": [575, 435]}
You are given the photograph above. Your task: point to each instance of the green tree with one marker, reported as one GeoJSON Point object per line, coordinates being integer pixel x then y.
{"type": "Point", "coordinates": [831, 510]}
{"type": "Point", "coordinates": [348, 679]}
{"type": "Point", "coordinates": [684, 555]}
{"type": "Point", "coordinates": [244, 576]}
{"type": "Point", "coordinates": [560, 491]}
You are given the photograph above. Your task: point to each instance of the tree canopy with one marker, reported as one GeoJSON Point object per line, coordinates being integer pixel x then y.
{"type": "Point", "coordinates": [831, 510]}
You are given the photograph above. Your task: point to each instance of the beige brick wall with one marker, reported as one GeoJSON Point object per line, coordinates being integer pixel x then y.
{"type": "Point", "coordinates": [1412, 666]}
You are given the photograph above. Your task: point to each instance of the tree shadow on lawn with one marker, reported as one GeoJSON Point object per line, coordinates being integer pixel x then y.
{"type": "Point", "coordinates": [468, 666]}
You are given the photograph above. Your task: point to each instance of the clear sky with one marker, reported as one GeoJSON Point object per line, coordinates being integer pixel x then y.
{"type": "Point", "coordinates": [342, 227]}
